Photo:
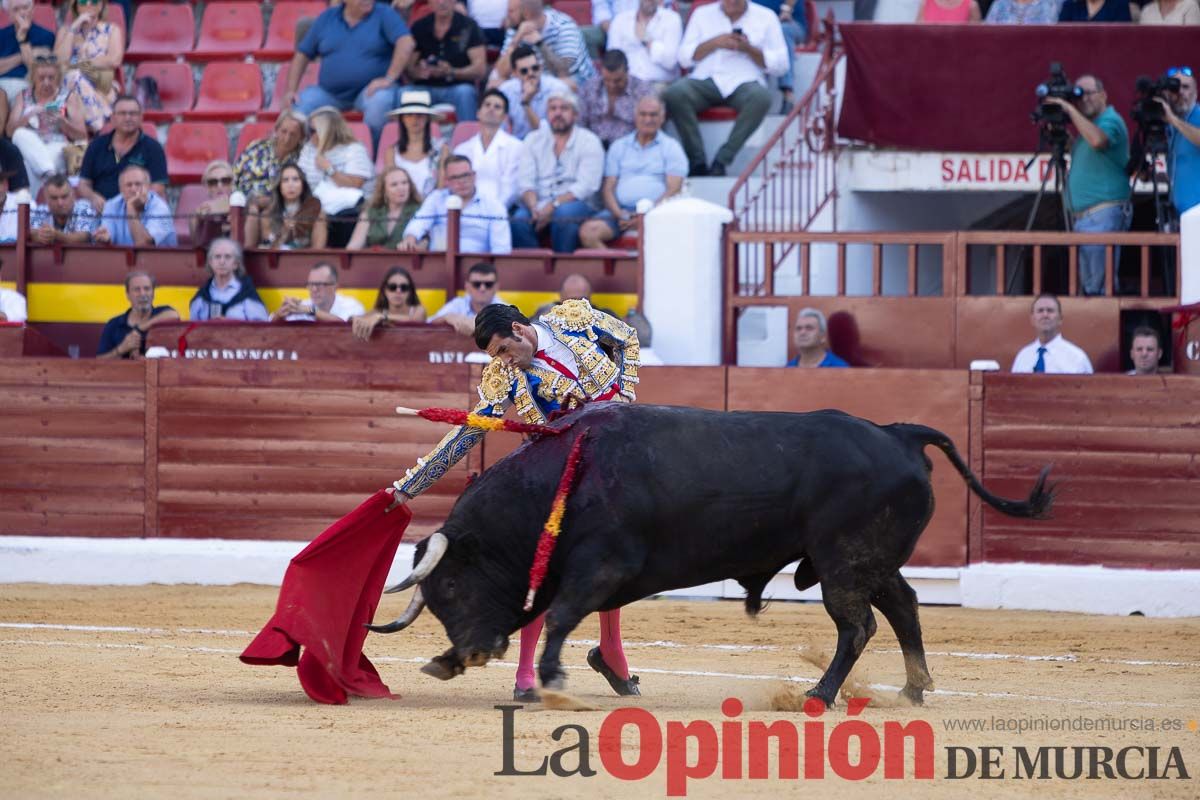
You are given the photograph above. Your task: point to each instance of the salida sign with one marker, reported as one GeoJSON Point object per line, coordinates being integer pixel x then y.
{"type": "Point", "coordinates": [993, 170]}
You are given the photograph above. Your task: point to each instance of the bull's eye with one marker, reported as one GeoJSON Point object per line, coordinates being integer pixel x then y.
{"type": "Point", "coordinates": [449, 587]}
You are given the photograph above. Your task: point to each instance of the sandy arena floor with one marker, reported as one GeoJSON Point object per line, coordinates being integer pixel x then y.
{"type": "Point", "coordinates": [137, 692]}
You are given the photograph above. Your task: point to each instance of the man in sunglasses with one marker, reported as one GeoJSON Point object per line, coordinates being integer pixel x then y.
{"type": "Point", "coordinates": [1183, 155]}
{"type": "Point", "coordinates": [528, 91]}
{"type": "Point", "coordinates": [481, 285]}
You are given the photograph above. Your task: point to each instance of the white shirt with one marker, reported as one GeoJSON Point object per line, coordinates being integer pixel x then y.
{"type": "Point", "coordinates": [1062, 358]}
{"type": "Point", "coordinates": [607, 10]}
{"type": "Point", "coordinates": [13, 305]}
{"type": "Point", "coordinates": [8, 219]}
{"type": "Point", "coordinates": [483, 225]}
{"type": "Point", "coordinates": [546, 343]}
{"type": "Point", "coordinates": [488, 13]}
{"type": "Point", "coordinates": [729, 69]}
{"type": "Point", "coordinates": [496, 167]}
{"type": "Point", "coordinates": [343, 308]}
{"type": "Point", "coordinates": [658, 62]}
{"type": "Point", "coordinates": [461, 305]}
{"type": "Point", "coordinates": [348, 159]}
{"type": "Point", "coordinates": [420, 172]}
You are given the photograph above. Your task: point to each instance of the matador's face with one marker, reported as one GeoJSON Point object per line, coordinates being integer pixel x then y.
{"type": "Point", "coordinates": [516, 350]}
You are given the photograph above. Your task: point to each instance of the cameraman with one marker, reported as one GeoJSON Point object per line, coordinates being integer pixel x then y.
{"type": "Point", "coordinates": [1097, 186]}
{"type": "Point", "coordinates": [1183, 155]}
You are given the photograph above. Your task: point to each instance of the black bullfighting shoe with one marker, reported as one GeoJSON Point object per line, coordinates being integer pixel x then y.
{"type": "Point", "coordinates": [625, 688]}
{"type": "Point", "coordinates": [529, 695]}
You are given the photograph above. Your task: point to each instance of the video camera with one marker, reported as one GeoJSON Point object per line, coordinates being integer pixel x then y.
{"type": "Point", "coordinates": [1147, 111]}
{"type": "Point", "coordinates": [1057, 85]}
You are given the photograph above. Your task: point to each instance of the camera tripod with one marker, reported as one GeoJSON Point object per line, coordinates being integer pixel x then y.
{"type": "Point", "coordinates": [1056, 138]}
{"type": "Point", "coordinates": [1164, 214]}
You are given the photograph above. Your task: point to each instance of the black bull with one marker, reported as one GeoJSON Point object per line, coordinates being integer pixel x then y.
{"type": "Point", "coordinates": [668, 498]}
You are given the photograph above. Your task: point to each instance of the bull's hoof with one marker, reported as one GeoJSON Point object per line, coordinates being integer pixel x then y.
{"type": "Point", "coordinates": [914, 695]}
{"type": "Point", "coordinates": [622, 686]}
{"type": "Point", "coordinates": [815, 694]}
{"type": "Point", "coordinates": [529, 695]}
{"type": "Point", "coordinates": [442, 668]}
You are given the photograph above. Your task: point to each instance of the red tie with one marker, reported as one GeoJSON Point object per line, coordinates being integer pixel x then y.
{"type": "Point", "coordinates": [558, 366]}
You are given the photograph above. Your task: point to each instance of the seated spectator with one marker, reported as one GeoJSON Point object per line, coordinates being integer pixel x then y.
{"type": "Point", "coordinates": [1050, 353]}
{"type": "Point", "coordinates": [396, 302]}
{"type": "Point", "coordinates": [211, 218]}
{"type": "Point", "coordinates": [18, 42]}
{"type": "Point", "coordinates": [608, 101]}
{"type": "Point", "coordinates": [94, 49]}
{"type": "Point", "coordinates": [44, 120]}
{"type": "Point", "coordinates": [556, 39]}
{"type": "Point", "coordinates": [228, 293]}
{"type": "Point", "coordinates": [364, 47]}
{"type": "Point", "coordinates": [490, 15]}
{"type": "Point", "coordinates": [493, 152]}
{"type": "Point", "coordinates": [324, 304]}
{"type": "Point", "coordinates": [560, 171]}
{"type": "Point", "coordinates": [1084, 11]}
{"type": "Point", "coordinates": [574, 287]}
{"type": "Point", "coordinates": [1145, 351]}
{"type": "Point", "coordinates": [728, 68]}
{"type": "Point", "coordinates": [649, 36]}
{"type": "Point", "coordinates": [795, 32]}
{"type": "Point", "coordinates": [138, 216]}
{"type": "Point", "coordinates": [596, 34]}
{"type": "Point", "coordinates": [527, 91]}
{"type": "Point", "coordinates": [257, 168]}
{"type": "Point", "coordinates": [8, 209]}
{"type": "Point", "coordinates": [480, 291]}
{"type": "Point", "coordinates": [646, 165]}
{"type": "Point", "coordinates": [1156, 12]}
{"type": "Point", "coordinates": [338, 169]}
{"type": "Point", "coordinates": [450, 57]}
{"type": "Point", "coordinates": [124, 335]}
{"type": "Point", "coordinates": [108, 154]}
{"type": "Point", "coordinates": [382, 221]}
{"type": "Point", "coordinates": [950, 12]}
{"type": "Point", "coordinates": [293, 221]}
{"type": "Point", "coordinates": [63, 218]}
{"type": "Point", "coordinates": [1023, 12]}
{"type": "Point", "coordinates": [415, 151]}
{"type": "Point", "coordinates": [483, 226]}
{"type": "Point", "coordinates": [12, 162]}
{"type": "Point", "coordinates": [810, 335]}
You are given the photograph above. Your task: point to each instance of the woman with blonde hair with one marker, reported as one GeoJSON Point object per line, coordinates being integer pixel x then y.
{"type": "Point", "coordinates": [339, 170]}
{"type": "Point", "coordinates": [45, 119]}
{"type": "Point", "coordinates": [392, 204]}
{"type": "Point", "coordinates": [94, 48]}
{"type": "Point", "coordinates": [294, 220]}
{"type": "Point", "coordinates": [258, 166]}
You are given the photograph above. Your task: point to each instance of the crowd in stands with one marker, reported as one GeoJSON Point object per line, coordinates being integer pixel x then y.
{"type": "Point", "coordinates": [1030, 12]}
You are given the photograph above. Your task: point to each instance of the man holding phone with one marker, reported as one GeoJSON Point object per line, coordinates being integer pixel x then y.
{"type": "Point", "coordinates": [449, 59]}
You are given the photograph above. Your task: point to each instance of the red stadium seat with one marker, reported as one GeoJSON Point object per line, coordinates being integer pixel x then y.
{"type": "Point", "coordinates": [229, 30]}
{"type": "Point", "coordinates": [462, 132]}
{"type": "Point", "coordinates": [578, 10]}
{"type": "Point", "coordinates": [161, 30]}
{"type": "Point", "coordinates": [191, 146]}
{"type": "Point", "coordinates": [308, 79]}
{"type": "Point", "coordinates": [251, 131]}
{"type": "Point", "coordinates": [390, 136]}
{"type": "Point", "coordinates": [718, 114]}
{"type": "Point", "coordinates": [361, 132]}
{"type": "Point", "coordinates": [420, 9]}
{"type": "Point", "coordinates": [176, 88]}
{"type": "Point", "coordinates": [281, 32]}
{"type": "Point", "coordinates": [229, 91]}
{"type": "Point", "coordinates": [189, 200]}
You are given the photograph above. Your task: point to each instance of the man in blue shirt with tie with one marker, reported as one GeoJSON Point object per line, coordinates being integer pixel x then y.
{"type": "Point", "coordinates": [1050, 353]}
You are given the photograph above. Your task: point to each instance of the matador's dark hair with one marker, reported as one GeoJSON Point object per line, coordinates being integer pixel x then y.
{"type": "Point", "coordinates": [496, 320]}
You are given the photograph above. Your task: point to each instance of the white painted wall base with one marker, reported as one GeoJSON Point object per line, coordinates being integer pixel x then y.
{"type": "Point", "coordinates": [222, 562]}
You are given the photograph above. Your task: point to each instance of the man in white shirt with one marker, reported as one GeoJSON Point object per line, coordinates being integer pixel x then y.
{"type": "Point", "coordinates": [1050, 353]}
{"type": "Point", "coordinates": [324, 303]}
{"type": "Point", "coordinates": [493, 152]}
{"type": "Point", "coordinates": [649, 36]}
{"type": "Point", "coordinates": [479, 292]}
{"type": "Point", "coordinates": [731, 47]}
{"type": "Point", "coordinates": [8, 209]}
{"type": "Point", "coordinates": [483, 225]}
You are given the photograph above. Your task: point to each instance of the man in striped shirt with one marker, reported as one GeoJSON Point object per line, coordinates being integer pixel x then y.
{"type": "Point", "coordinates": [554, 36]}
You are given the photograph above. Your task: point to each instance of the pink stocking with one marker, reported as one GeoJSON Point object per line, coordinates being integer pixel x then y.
{"type": "Point", "coordinates": [610, 643]}
{"type": "Point", "coordinates": [529, 642]}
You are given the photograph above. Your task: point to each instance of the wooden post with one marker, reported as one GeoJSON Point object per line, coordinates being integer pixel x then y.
{"type": "Point", "coordinates": [150, 480]}
{"type": "Point", "coordinates": [22, 251]}
{"type": "Point", "coordinates": [975, 417]}
{"type": "Point", "coordinates": [453, 226]}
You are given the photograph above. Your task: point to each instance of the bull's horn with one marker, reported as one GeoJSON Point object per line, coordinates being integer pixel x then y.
{"type": "Point", "coordinates": [415, 607]}
{"type": "Point", "coordinates": [433, 554]}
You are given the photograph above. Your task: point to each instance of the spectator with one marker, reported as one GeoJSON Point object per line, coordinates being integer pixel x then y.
{"type": "Point", "coordinates": [18, 42]}
{"type": "Point", "coordinates": [1107, 11]}
{"type": "Point", "coordinates": [324, 304]}
{"type": "Point", "coordinates": [364, 47]}
{"type": "Point", "coordinates": [1145, 351]}
{"type": "Point", "coordinates": [63, 218]}
{"type": "Point", "coordinates": [493, 152]}
{"type": "Point", "coordinates": [645, 165]}
{"type": "Point", "coordinates": [12, 161]}
{"type": "Point", "coordinates": [1156, 12]}
{"type": "Point", "coordinates": [138, 216]}
{"type": "Point", "coordinates": [574, 287]}
{"type": "Point", "coordinates": [603, 12]}
{"type": "Point", "coordinates": [649, 36]}
{"type": "Point", "coordinates": [1050, 352]}
{"type": "Point", "coordinates": [1097, 186]}
{"type": "Point", "coordinates": [795, 32]}
{"type": "Point", "coordinates": [450, 57]}
{"type": "Point", "coordinates": [396, 302]}
{"type": "Point", "coordinates": [527, 91]}
{"type": "Point", "coordinates": [1023, 12]}
{"type": "Point", "coordinates": [490, 15]}
{"type": "Point", "coordinates": [228, 293]}
{"type": "Point", "coordinates": [257, 168]}
{"type": "Point", "coordinates": [393, 203]}
{"type": "Point", "coordinates": [480, 291]}
{"type": "Point", "coordinates": [124, 335]}
{"type": "Point", "coordinates": [8, 209]}
{"type": "Point", "coordinates": [211, 218]}
{"type": "Point", "coordinates": [811, 337]}
{"type": "Point", "coordinates": [337, 167]}
{"type": "Point", "coordinates": [1183, 154]}
{"type": "Point", "coordinates": [95, 49]}
{"type": "Point", "coordinates": [731, 47]}
{"type": "Point", "coordinates": [108, 154]}
{"type": "Point", "coordinates": [483, 226]}
{"type": "Point", "coordinates": [44, 120]}
{"type": "Point", "coordinates": [951, 12]}
{"type": "Point", "coordinates": [293, 221]}
{"type": "Point", "coordinates": [414, 147]}
{"type": "Point", "coordinates": [560, 171]}
{"type": "Point", "coordinates": [556, 39]}
{"type": "Point", "coordinates": [608, 101]}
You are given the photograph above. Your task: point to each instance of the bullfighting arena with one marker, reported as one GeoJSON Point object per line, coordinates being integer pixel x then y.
{"type": "Point", "coordinates": [137, 692]}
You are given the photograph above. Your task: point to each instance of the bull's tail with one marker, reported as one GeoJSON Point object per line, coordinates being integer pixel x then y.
{"type": "Point", "coordinates": [1036, 506]}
